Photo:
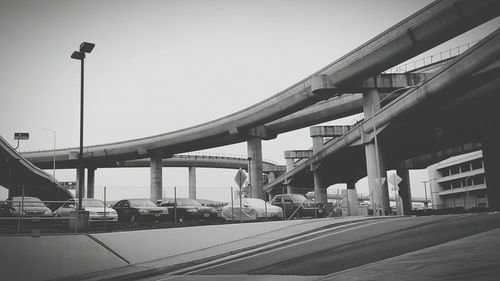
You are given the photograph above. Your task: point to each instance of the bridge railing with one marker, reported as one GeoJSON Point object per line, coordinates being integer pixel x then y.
{"type": "Point", "coordinates": [223, 155]}
{"type": "Point", "coordinates": [425, 61]}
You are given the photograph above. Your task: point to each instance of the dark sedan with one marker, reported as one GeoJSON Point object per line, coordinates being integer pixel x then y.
{"type": "Point", "coordinates": [188, 209]}
{"type": "Point", "coordinates": [132, 210]}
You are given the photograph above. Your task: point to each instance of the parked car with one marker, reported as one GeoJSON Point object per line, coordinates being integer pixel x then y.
{"type": "Point", "coordinates": [251, 209]}
{"type": "Point", "coordinates": [132, 210]}
{"type": "Point", "coordinates": [188, 209]}
{"type": "Point", "coordinates": [6, 210]}
{"type": "Point", "coordinates": [29, 206]}
{"type": "Point", "coordinates": [297, 205]}
{"type": "Point", "coordinates": [94, 206]}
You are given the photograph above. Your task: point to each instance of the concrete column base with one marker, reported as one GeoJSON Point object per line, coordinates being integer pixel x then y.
{"type": "Point", "coordinates": [81, 222]}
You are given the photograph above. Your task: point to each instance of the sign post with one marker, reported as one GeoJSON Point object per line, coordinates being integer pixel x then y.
{"type": "Point", "coordinates": [240, 179]}
{"type": "Point", "coordinates": [21, 136]}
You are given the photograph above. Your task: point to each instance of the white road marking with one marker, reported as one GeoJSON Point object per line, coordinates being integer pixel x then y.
{"type": "Point", "coordinates": [280, 248]}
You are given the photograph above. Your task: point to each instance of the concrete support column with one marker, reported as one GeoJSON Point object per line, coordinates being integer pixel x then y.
{"type": "Point", "coordinates": [90, 182]}
{"type": "Point", "coordinates": [192, 182]}
{"type": "Point", "coordinates": [254, 145]}
{"type": "Point", "coordinates": [379, 193]}
{"type": "Point", "coordinates": [290, 164]}
{"type": "Point", "coordinates": [491, 160]}
{"type": "Point", "coordinates": [156, 178]}
{"type": "Point", "coordinates": [352, 202]}
{"type": "Point", "coordinates": [405, 190]}
{"type": "Point", "coordinates": [271, 176]}
{"type": "Point", "coordinates": [319, 183]}
{"type": "Point", "coordinates": [77, 194]}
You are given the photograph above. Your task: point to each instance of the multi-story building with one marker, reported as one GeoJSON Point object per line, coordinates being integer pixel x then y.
{"type": "Point", "coordinates": [459, 182]}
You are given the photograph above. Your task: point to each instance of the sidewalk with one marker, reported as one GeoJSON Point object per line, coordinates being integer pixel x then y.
{"type": "Point", "coordinates": [158, 251]}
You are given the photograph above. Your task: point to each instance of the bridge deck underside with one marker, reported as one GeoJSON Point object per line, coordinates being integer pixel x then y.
{"type": "Point", "coordinates": [461, 115]}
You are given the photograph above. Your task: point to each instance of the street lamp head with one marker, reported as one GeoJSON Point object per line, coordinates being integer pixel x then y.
{"type": "Point", "coordinates": [86, 47]}
{"type": "Point", "coordinates": [78, 55]}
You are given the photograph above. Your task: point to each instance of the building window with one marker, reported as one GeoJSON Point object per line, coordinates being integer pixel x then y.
{"type": "Point", "coordinates": [476, 164]}
{"type": "Point", "coordinates": [479, 179]}
{"type": "Point", "coordinates": [481, 194]}
{"type": "Point", "coordinates": [465, 167]}
{"type": "Point", "coordinates": [454, 170]}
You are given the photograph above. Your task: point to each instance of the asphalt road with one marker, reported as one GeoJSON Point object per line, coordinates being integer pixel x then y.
{"type": "Point", "coordinates": [357, 245]}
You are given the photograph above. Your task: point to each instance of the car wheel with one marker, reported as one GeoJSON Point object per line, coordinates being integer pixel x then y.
{"type": "Point", "coordinates": [132, 218]}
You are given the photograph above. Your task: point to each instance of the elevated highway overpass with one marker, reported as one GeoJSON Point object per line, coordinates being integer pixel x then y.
{"type": "Point", "coordinates": [423, 30]}
{"type": "Point", "coordinates": [20, 177]}
{"type": "Point", "coordinates": [457, 105]}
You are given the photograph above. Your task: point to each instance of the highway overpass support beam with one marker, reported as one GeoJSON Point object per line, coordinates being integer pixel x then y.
{"type": "Point", "coordinates": [352, 199]}
{"type": "Point", "coordinates": [491, 161]}
{"type": "Point", "coordinates": [254, 146]}
{"type": "Point", "coordinates": [192, 182]}
{"type": "Point", "coordinates": [319, 183]}
{"type": "Point", "coordinates": [405, 190]}
{"type": "Point", "coordinates": [77, 194]}
{"type": "Point", "coordinates": [377, 183]}
{"type": "Point", "coordinates": [156, 177]}
{"type": "Point", "coordinates": [290, 156]}
{"type": "Point", "coordinates": [91, 182]}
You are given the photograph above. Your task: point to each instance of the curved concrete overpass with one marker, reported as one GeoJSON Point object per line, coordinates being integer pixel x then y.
{"type": "Point", "coordinates": [423, 30]}
{"type": "Point", "coordinates": [201, 161]}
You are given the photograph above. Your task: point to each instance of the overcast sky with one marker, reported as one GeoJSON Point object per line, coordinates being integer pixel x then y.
{"type": "Point", "coordinates": [160, 66]}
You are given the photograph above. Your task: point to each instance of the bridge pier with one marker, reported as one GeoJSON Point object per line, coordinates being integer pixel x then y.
{"type": "Point", "coordinates": [192, 182]}
{"type": "Point", "coordinates": [254, 146]}
{"type": "Point", "coordinates": [290, 156]}
{"type": "Point", "coordinates": [404, 189]}
{"type": "Point", "coordinates": [319, 182]}
{"type": "Point", "coordinates": [378, 189]}
{"type": "Point", "coordinates": [91, 182]}
{"type": "Point", "coordinates": [352, 199]}
{"type": "Point", "coordinates": [290, 164]}
{"type": "Point", "coordinates": [77, 188]}
{"type": "Point", "coordinates": [156, 177]}
{"type": "Point", "coordinates": [491, 164]}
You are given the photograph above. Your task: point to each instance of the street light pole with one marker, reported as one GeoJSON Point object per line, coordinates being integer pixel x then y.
{"type": "Point", "coordinates": [249, 178]}
{"type": "Point", "coordinates": [54, 153]}
{"type": "Point", "coordinates": [85, 47]}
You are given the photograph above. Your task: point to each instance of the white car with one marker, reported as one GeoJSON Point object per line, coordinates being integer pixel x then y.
{"type": "Point", "coordinates": [251, 209]}
{"type": "Point", "coordinates": [95, 207]}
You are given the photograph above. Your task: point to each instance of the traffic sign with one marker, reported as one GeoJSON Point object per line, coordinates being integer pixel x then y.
{"type": "Point", "coordinates": [240, 178]}
{"type": "Point", "coordinates": [21, 136]}
{"type": "Point", "coordinates": [394, 179]}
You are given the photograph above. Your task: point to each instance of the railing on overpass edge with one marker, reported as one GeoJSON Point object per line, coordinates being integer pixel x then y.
{"type": "Point", "coordinates": [444, 55]}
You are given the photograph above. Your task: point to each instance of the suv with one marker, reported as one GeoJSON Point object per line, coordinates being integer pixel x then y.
{"type": "Point", "coordinates": [297, 205]}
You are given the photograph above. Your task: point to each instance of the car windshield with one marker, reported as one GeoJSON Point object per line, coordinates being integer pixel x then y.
{"type": "Point", "coordinates": [141, 203]}
{"type": "Point", "coordinates": [187, 202]}
{"type": "Point", "coordinates": [298, 197]}
{"type": "Point", "coordinates": [28, 201]}
{"type": "Point", "coordinates": [92, 203]}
